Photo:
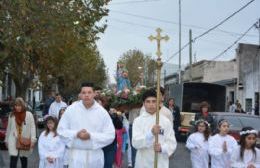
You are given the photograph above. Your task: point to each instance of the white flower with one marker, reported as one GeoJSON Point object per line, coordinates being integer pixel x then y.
{"type": "Point", "coordinates": [76, 22]}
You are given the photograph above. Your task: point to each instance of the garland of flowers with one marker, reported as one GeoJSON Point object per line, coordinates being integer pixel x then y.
{"type": "Point", "coordinates": [129, 99]}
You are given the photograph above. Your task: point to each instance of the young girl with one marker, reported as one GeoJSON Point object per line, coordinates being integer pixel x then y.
{"type": "Point", "coordinates": [246, 155]}
{"type": "Point", "coordinates": [197, 143]}
{"type": "Point", "coordinates": [221, 146]}
{"type": "Point", "coordinates": [51, 148]}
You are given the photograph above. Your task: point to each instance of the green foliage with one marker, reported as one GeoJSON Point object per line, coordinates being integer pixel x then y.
{"type": "Point", "coordinates": [47, 37]}
{"type": "Point", "coordinates": [133, 59]}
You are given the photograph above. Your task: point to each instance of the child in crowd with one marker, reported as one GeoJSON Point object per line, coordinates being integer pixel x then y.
{"type": "Point", "coordinates": [51, 148]}
{"type": "Point", "coordinates": [246, 155]}
{"type": "Point", "coordinates": [197, 143]}
{"type": "Point", "coordinates": [119, 139]}
{"type": "Point", "coordinates": [221, 146]}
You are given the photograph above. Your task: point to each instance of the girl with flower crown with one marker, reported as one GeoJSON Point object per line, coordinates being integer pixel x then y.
{"type": "Point", "coordinates": [246, 155]}
{"type": "Point", "coordinates": [197, 143]}
{"type": "Point", "coordinates": [221, 146]}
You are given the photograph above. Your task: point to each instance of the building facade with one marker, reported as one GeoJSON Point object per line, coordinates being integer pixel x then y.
{"type": "Point", "coordinates": [248, 56]}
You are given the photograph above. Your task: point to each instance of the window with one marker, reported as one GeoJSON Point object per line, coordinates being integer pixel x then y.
{"type": "Point", "coordinates": [248, 105]}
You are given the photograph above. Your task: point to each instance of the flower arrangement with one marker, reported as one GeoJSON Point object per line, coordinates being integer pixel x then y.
{"type": "Point", "coordinates": [125, 100]}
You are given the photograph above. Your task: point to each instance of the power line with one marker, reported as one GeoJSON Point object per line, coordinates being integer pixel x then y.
{"type": "Point", "coordinates": [148, 27]}
{"type": "Point", "coordinates": [133, 2]}
{"type": "Point", "coordinates": [132, 23]}
{"type": "Point", "coordinates": [214, 27]}
{"type": "Point", "coordinates": [229, 47]}
{"type": "Point", "coordinates": [176, 23]}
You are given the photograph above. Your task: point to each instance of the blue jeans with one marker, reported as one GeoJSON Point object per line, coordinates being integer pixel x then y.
{"type": "Point", "coordinates": [133, 149]}
{"type": "Point", "coordinates": [109, 155]}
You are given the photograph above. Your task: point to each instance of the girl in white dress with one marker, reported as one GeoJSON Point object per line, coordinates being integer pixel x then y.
{"type": "Point", "coordinates": [197, 143]}
{"type": "Point", "coordinates": [51, 148]}
{"type": "Point", "coordinates": [246, 155]}
{"type": "Point", "coordinates": [221, 146]}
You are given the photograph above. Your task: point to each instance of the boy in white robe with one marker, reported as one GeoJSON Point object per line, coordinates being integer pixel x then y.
{"type": "Point", "coordinates": [87, 127]}
{"type": "Point", "coordinates": [144, 131]}
{"type": "Point", "coordinates": [56, 106]}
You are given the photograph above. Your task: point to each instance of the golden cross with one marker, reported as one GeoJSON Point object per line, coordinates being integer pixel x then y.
{"type": "Point", "coordinates": [158, 39]}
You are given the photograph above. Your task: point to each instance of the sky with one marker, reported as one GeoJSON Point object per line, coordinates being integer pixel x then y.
{"type": "Point", "coordinates": [131, 22]}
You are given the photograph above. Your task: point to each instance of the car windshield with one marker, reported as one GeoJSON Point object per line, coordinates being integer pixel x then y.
{"type": "Point", "coordinates": [250, 121]}
{"type": "Point", "coordinates": [235, 123]}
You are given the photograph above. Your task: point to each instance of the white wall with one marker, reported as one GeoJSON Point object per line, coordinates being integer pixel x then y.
{"type": "Point", "coordinates": [219, 71]}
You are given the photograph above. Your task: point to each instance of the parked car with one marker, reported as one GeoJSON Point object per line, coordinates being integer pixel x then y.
{"type": "Point", "coordinates": [237, 122]}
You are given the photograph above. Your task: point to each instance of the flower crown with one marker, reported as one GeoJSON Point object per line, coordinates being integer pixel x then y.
{"type": "Point", "coordinates": [248, 132]}
{"type": "Point", "coordinates": [201, 120]}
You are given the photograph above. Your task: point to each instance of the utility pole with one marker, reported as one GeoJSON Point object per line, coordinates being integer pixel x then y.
{"type": "Point", "coordinates": [180, 80]}
{"type": "Point", "coordinates": [190, 35]}
{"type": "Point", "coordinates": [257, 25]}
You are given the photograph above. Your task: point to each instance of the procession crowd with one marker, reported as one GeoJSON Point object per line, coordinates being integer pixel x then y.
{"type": "Point", "coordinates": [88, 133]}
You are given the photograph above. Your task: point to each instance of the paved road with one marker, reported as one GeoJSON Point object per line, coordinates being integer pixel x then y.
{"type": "Point", "coordinates": [180, 159]}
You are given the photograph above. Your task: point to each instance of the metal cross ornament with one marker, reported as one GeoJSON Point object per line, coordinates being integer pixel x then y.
{"type": "Point", "coordinates": [158, 39]}
{"type": "Point", "coordinates": [159, 63]}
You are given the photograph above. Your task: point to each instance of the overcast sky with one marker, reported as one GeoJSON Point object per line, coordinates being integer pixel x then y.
{"type": "Point", "coordinates": [130, 22]}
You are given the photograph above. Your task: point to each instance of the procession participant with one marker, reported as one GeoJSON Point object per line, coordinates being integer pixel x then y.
{"type": "Point", "coordinates": [163, 110]}
{"type": "Point", "coordinates": [221, 146]}
{"type": "Point", "coordinates": [87, 127]}
{"type": "Point", "coordinates": [20, 134]}
{"type": "Point", "coordinates": [56, 106]}
{"type": "Point", "coordinates": [66, 152]}
{"type": "Point", "coordinates": [197, 143]}
{"type": "Point", "coordinates": [204, 112]}
{"type": "Point", "coordinates": [51, 148]}
{"type": "Point", "coordinates": [246, 155]}
{"type": "Point", "coordinates": [176, 116]}
{"type": "Point", "coordinates": [144, 132]}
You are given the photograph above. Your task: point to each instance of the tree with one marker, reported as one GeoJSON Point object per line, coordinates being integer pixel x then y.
{"type": "Point", "coordinates": [51, 38]}
{"type": "Point", "coordinates": [138, 64]}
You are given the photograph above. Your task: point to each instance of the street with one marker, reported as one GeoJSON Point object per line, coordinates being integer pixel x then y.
{"type": "Point", "coordinates": [180, 159]}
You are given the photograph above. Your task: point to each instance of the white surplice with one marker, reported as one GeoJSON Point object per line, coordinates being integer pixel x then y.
{"type": "Point", "coordinates": [199, 150]}
{"type": "Point", "coordinates": [96, 121]}
{"type": "Point", "coordinates": [143, 141]}
{"type": "Point", "coordinates": [219, 158]}
{"type": "Point", "coordinates": [164, 111]}
{"type": "Point", "coordinates": [55, 108]}
{"type": "Point", "coordinates": [50, 146]}
{"type": "Point", "coordinates": [249, 158]}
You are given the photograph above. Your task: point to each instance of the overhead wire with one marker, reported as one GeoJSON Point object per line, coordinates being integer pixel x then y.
{"type": "Point", "coordinates": [176, 23]}
{"type": "Point", "coordinates": [133, 2]}
{"type": "Point", "coordinates": [229, 47]}
{"type": "Point", "coordinates": [209, 30]}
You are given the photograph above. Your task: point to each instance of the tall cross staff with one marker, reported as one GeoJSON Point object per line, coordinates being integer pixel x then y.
{"type": "Point", "coordinates": [159, 63]}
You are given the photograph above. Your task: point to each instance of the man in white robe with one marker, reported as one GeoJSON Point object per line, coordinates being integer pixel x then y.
{"type": "Point", "coordinates": [56, 106]}
{"type": "Point", "coordinates": [87, 128]}
{"type": "Point", "coordinates": [144, 131]}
